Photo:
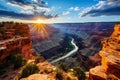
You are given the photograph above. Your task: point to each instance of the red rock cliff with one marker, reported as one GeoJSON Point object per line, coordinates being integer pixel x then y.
{"type": "Point", "coordinates": [110, 63]}
{"type": "Point", "coordinates": [18, 43]}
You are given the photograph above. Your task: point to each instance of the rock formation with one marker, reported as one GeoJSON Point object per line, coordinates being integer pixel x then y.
{"type": "Point", "coordinates": [15, 43]}
{"type": "Point", "coordinates": [110, 63]}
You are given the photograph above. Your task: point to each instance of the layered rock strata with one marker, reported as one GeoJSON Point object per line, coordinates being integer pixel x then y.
{"type": "Point", "coordinates": [110, 63]}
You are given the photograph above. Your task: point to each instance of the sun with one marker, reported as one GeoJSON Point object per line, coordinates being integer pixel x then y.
{"type": "Point", "coordinates": [43, 21]}
{"type": "Point", "coordinates": [39, 21]}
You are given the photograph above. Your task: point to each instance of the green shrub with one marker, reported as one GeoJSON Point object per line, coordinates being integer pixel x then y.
{"type": "Point", "coordinates": [39, 59]}
{"type": "Point", "coordinates": [79, 73]}
{"type": "Point", "coordinates": [59, 75]}
{"type": "Point", "coordinates": [63, 67]}
{"type": "Point", "coordinates": [18, 60]}
{"type": "Point", "coordinates": [28, 70]}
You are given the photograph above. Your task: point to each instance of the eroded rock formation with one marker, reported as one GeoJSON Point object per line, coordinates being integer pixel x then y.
{"type": "Point", "coordinates": [16, 42]}
{"type": "Point", "coordinates": [110, 63]}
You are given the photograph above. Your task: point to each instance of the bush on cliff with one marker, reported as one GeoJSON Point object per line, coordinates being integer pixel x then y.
{"type": "Point", "coordinates": [28, 70]}
{"type": "Point", "coordinates": [63, 67]}
{"type": "Point", "coordinates": [18, 60]}
{"type": "Point", "coordinates": [79, 73]}
{"type": "Point", "coordinates": [39, 59]}
{"type": "Point", "coordinates": [59, 74]}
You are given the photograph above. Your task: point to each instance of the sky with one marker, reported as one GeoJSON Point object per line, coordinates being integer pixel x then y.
{"type": "Point", "coordinates": [60, 11]}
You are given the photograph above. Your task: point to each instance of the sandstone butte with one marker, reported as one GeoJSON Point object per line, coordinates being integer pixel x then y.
{"type": "Point", "coordinates": [110, 54]}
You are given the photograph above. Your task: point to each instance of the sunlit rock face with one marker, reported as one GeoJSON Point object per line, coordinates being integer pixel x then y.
{"type": "Point", "coordinates": [110, 53]}
{"type": "Point", "coordinates": [37, 77]}
{"type": "Point", "coordinates": [26, 48]}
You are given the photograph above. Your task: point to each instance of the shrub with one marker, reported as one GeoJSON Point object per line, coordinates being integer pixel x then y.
{"type": "Point", "coordinates": [59, 76]}
{"type": "Point", "coordinates": [79, 73]}
{"type": "Point", "coordinates": [28, 70]}
{"type": "Point", "coordinates": [39, 59]}
{"type": "Point", "coordinates": [59, 73]}
{"type": "Point", "coordinates": [18, 60]}
{"type": "Point", "coordinates": [63, 67]}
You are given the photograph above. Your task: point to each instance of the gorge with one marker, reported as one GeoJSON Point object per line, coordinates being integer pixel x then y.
{"type": "Point", "coordinates": [99, 59]}
{"type": "Point", "coordinates": [67, 54]}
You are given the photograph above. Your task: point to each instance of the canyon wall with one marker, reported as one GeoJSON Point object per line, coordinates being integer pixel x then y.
{"type": "Point", "coordinates": [16, 42]}
{"type": "Point", "coordinates": [110, 54]}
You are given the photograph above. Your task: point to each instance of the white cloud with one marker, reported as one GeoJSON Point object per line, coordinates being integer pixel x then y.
{"type": "Point", "coordinates": [66, 13]}
{"type": "Point", "coordinates": [46, 3]}
{"type": "Point", "coordinates": [27, 11]}
{"type": "Point", "coordinates": [35, 0]}
{"type": "Point", "coordinates": [21, 9]}
{"type": "Point", "coordinates": [74, 8]}
{"type": "Point", "coordinates": [71, 8]}
{"type": "Point", "coordinates": [102, 8]}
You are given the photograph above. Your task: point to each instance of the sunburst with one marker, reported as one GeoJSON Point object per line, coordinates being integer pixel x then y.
{"type": "Point", "coordinates": [40, 30]}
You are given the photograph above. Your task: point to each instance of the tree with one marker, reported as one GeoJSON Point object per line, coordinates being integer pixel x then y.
{"type": "Point", "coordinates": [29, 69]}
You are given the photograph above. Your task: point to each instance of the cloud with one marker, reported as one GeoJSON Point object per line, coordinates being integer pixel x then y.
{"type": "Point", "coordinates": [66, 13]}
{"type": "Point", "coordinates": [36, 4]}
{"type": "Point", "coordinates": [15, 15]}
{"type": "Point", "coordinates": [102, 8]}
{"type": "Point", "coordinates": [25, 9]}
{"type": "Point", "coordinates": [74, 8]}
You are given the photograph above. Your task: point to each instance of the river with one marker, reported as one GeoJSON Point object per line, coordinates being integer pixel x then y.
{"type": "Point", "coordinates": [68, 54]}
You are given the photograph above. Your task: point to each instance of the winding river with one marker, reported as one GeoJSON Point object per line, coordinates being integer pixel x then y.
{"type": "Point", "coordinates": [68, 54]}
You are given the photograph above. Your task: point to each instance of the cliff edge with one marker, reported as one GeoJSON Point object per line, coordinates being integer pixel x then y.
{"type": "Point", "coordinates": [14, 39]}
{"type": "Point", "coordinates": [110, 63]}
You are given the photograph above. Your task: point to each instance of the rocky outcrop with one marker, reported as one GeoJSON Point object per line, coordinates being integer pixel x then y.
{"type": "Point", "coordinates": [46, 72]}
{"type": "Point", "coordinates": [50, 72]}
{"type": "Point", "coordinates": [15, 46]}
{"type": "Point", "coordinates": [110, 63]}
{"type": "Point", "coordinates": [18, 43]}
{"type": "Point", "coordinates": [37, 77]}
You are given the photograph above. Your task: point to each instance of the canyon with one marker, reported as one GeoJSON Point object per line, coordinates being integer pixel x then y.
{"type": "Point", "coordinates": [88, 38]}
{"type": "Point", "coordinates": [97, 51]}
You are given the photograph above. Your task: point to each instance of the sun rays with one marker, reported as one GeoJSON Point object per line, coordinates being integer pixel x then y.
{"type": "Point", "coordinates": [40, 30]}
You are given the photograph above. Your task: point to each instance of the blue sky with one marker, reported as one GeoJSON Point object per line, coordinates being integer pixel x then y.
{"type": "Point", "coordinates": [60, 11]}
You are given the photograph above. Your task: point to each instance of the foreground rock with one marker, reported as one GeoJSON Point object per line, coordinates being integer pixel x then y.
{"type": "Point", "coordinates": [110, 53]}
{"type": "Point", "coordinates": [37, 77]}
